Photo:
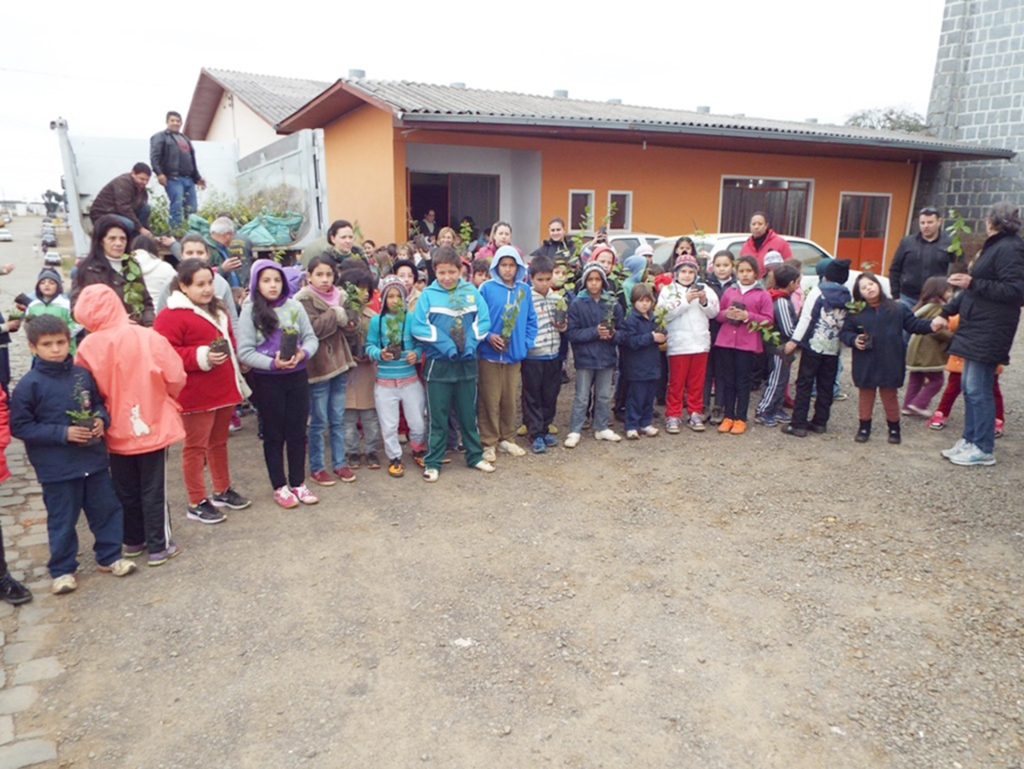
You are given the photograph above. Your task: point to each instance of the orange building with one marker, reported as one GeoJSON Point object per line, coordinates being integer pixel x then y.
{"type": "Point", "coordinates": [395, 150]}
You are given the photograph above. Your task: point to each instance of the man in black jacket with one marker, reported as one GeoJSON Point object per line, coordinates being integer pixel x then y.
{"type": "Point", "coordinates": [125, 198]}
{"type": "Point", "coordinates": [920, 257]}
{"type": "Point", "coordinates": [174, 161]}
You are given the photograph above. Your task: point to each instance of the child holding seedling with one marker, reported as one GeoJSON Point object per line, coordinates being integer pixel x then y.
{"type": "Point", "coordinates": [593, 317]}
{"type": "Point", "coordinates": [743, 307]}
{"type": "Point", "coordinates": [722, 276]}
{"type": "Point", "coordinates": [198, 326]}
{"type": "Point", "coordinates": [640, 363]}
{"type": "Point", "coordinates": [874, 328]}
{"type": "Point", "coordinates": [58, 412]}
{"type": "Point", "coordinates": [450, 321]}
{"type": "Point", "coordinates": [687, 309]}
{"type": "Point", "coordinates": [276, 339]}
{"type": "Point", "coordinates": [542, 369]}
{"type": "Point", "coordinates": [362, 303]}
{"type": "Point", "coordinates": [328, 371]}
{"type": "Point", "coordinates": [513, 332]}
{"type": "Point", "coordinates": [770, 411]}
{"type": "Point", "coordinates": [389, 342]}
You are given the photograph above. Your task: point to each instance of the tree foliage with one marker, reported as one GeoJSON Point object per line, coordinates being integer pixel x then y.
{"type": "Point", "coordinates": [888, 119]}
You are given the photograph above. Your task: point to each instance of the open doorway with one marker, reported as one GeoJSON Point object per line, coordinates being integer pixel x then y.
{"type": "Point", "coordinates": [453, 196]}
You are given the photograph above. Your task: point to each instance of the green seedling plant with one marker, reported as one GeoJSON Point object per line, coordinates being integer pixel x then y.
{"type": "Point", "coordinates": [510, 315]}
{"type": "Point", "coordinates": [957, 229]}
{"type": "Point", "coordinates": [290, 337]}
{"type": "Point", "coordinates": [608, 304]}
{"type": "Point", "coordinates": [457, 331]}
{"type": "Point", "coordinates": [465, 238]}
{"type": "Point", "coordinates": [767, 331]}
{"type": "Point", "coordinates": [661, 318]}
{"type": "Point", "coordinates": [134, 287]}
{"type": "Point", "coordinates": [856, 306]}
{"type": "Point", "coordinates": [393, 329]}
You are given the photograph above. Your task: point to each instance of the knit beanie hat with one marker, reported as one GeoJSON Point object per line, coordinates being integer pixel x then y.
{"type": "Point", "coordinates": [772, 257]}
{"type": "Point", "coordinates": [386, 284]}
{"type": "Point", "coordinates": [594, 267]}
{"type": "Point", "coordinates": [838, 271]}
{"type": "Point", "coordinates": [598, 249]}
{"type": "Point", "coordinates": [52, 275]}
{"type": "Point", "coordinates": [686, 260]}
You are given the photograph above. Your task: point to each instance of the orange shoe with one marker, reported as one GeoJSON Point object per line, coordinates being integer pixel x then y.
{"type": "Point", "coordinates": [738, 427]}
{"type": "Point", "coordinates": [726, 426]}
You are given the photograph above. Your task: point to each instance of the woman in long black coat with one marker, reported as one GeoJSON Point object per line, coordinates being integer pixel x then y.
{"type": "Point", "coordinates": [989, 308]}
{"type": "Point", "coordinates": [879, 356]}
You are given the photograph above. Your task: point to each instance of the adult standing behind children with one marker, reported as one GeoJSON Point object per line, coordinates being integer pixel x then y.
{"type": "Point", "coordinates": [920, 256]}
{"type": "Point", "coordinates": [107, 264]}
{"type": "Point", "coordinates": [139, 375]}
{"type": "Point", "coordinates": [764, 239]}
{"type": "Point", "coordinates": [513, 332]}
{"type": "Point", "coordinates": [174, 162]}
{"type": "Point", "coordinates": [199, 329]}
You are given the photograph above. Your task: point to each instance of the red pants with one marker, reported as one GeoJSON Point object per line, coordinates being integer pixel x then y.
{"type": "Point", "coordinates": [685, 373]}
{"type": "Point", "coordinates": [952, 391]}
{"type": "Point", "coordinates": [206, 442]}
{"type": "Point", "coordinates": [890, 403]}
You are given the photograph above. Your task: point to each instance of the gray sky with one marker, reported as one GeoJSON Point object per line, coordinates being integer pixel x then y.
{"type": "Point", "coordinates": [116, 71]}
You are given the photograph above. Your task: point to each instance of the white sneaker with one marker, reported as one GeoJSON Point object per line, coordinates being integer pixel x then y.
{"type": "Point", "coordinates": [65, 583]}
{"type": "Point", "coordinates": [512, 449]}
{"type": "Point", "coordinates": [650, 431]}
{"type": "Point", "coordinates": [696, 422]}
{"type": "Point", "coordinates": [122, 567]}
{"type": "Point", "coordinates": [958, 448]}
{"type": "Point", "coordinates": [632, 435]}
{"type": "Point", "coordinates": [572, 440]}
{"type": "Point", "coordinates": [972, 457]}
{"type": "Point", "coordinates": [607, 435]}
{"type": "Point", "coordinates": [430, 475]}
{"type": "Point", "coordinates": [484, 466]}
{"type": "Point", "coordinates": [490, 455]}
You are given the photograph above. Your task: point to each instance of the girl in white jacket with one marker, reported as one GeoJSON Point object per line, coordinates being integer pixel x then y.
{"type": "Point", "coordinates": [689, 307]}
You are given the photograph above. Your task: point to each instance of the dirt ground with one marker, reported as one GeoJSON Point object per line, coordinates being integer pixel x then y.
{"type": "Point", "coordinates": [690, 600]}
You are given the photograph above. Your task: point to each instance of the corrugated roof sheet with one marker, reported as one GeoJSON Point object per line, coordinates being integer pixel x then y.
{"type": "Point", "coordinates": [465, 104]}
{"type": "Point", "coordinates": [273, 98]}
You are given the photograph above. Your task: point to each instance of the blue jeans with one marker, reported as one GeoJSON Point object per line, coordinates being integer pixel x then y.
{"type": "Point", "coordinates": [601, 379]}
{"type": "Point", "coordinates": [979, 404]}
{"type": "Point", "coordinates": [142, 213]}
{"type": "Point", "coordinates": [327, 412]}
{"type": "Point", "coordinates": [181, 189]}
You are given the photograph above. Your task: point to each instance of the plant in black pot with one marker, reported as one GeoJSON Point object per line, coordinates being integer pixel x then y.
{"type": "Point", "coordinates": [509, 317]}
{"type": "Point", "coordinates": [608, 304]}
{"type": "Point", "coordinates": [856, 307]}
{"type": "Point", "coordinates": [219, 344]}
{"type": "Point", "coordinates": [356, 299]}
{"type": "Point", "coordinates": [457, 331]}
{"type": "Point", "coordinates": [84, 415]}
{"type": "Point", "coordinates": [560, 314]}
{"type": "Point", "coordinates": [290, 338]}
{"type": "Point", "coordinates": [393, 329]}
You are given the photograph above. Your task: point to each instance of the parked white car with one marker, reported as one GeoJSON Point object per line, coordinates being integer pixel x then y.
{"type": "Point", "coordinates": [807, 251]}
{"type": "Point", "coordinates": [5, 235]}
{"type": "Point", "coordinates": [626, 243]}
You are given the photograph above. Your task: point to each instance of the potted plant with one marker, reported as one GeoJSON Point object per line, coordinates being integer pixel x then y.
{"type": "Point", "coordinates": [134, 287]}
{"type": "Point", "coordinates": [356, 299]}
{"type": "Point", "coordinates": [608, 306]}
{"type": "Point", "coordinates": [737, 306]}
{"type": "Point", "coordinates": [560, 313]}
{"type": "Point", "coordinates": [85, 415]}
{"type": "Point", "coordinates": [661, 318]}
{"type": "Point", "coordinates": [457, 330]}
{"type": "Point", "coordinates": [509, 318]}
{"type": "Point", "coordinates": [855, 307]}
{"type": "Point", "coordinates": [219, 344]}
{"type": "Point", "coordinates": [393, 328]}
{"type": "Point", "coordinates": [290, 338]}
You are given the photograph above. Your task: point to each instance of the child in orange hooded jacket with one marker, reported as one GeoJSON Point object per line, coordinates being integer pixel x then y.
{"type": "Point", "coordinates": [139, 374]}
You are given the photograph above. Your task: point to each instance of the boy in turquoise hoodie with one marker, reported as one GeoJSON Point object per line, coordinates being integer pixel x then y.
{"type": "Point", "coordinates": [513, 333]}
{"type": "Point", "coordinates": [450, 320]}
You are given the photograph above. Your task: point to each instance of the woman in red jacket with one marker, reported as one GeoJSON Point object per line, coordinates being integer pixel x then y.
{"type": "Point", "coordinates": [199, 329]}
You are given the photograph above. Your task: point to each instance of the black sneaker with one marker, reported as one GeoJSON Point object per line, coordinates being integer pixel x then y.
{"type": "Point", "coordinates": [230, 498]}
{"type": "Point", "coordinates": [205, 512]}
{"type": "Point", "coordinates": [372, 461]}
{"type": "Point", "coordinates": [13, 591]}
{"type": "Point", "coordinates": [817, 429]}
{"type": "Point", "coordinates": [355, 461]}
{"type": "Point", "coordinates": [798, 432]}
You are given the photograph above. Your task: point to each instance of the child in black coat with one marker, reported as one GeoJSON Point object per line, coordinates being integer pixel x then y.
{"type": "Point", "coordinates": [639, 338]}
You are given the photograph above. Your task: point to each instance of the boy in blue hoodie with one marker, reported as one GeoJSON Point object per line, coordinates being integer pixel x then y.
{"type": "Point", "coordinates": [513, 332]}
{"type": "Point", "coordinates": [70, 461]}
{"type": "Point", "coordinates": [389, 342]}
{"type": "Point", "coordinates": [817, 335]}
{"type": "Point", "coordinates": [450, 320]}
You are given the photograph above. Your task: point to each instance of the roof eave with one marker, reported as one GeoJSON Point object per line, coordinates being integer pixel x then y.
{"type": "Point", "coordinates": [909, 148]}
{"type": "Point", "coordinates": [203, 106]}
{"type": "Point", "coordinates": [334, 102]}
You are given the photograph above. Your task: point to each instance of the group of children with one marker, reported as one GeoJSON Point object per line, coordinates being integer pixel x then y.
{"type": "Point", "coordinates": [334, 350]}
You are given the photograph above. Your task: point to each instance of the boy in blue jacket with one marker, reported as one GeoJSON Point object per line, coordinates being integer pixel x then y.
{"type": "Point", "coordinates": [70, 461]}
{"type": "Point", "coordinates": [450, 320]}
{"type": "Point", "coordinates": [640, 366]}
{"type": "Point", "coordinates": [513, 332]}
{"type": "Point", "coordinates": [593, 317]}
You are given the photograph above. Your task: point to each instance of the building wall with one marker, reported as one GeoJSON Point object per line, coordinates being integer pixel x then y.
{"type": "Point", "coordinates": [236, 122]}
{"type": "Point", "coordinates": [365, 185]}
{"type": "Point", "coordinates": [978, 95]}
{"type": "Point", "coordinates": [678, 190]}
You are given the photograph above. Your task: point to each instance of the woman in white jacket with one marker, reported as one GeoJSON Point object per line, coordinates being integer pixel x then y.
{"type": "Point", "coordinates": [689, 307]}
{"type": "Point", "coordinates": [156, 273]}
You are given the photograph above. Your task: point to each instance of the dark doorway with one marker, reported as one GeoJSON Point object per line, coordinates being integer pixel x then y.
{"type": "Point", "coordinates": [453, 196]}
{"type": "Point", "coordinates": [426, 192]}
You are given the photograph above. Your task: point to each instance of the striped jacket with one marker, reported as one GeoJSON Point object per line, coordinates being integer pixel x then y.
{"type": "Point", "coordinates": [548, 340]}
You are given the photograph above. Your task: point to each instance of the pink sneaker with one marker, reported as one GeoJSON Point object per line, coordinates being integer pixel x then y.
{"type": "Point", "coordinates": [938, 421]}
{"type": "Point", "coordinates": [999, 428]}
{"type": "Point", "coordinates": [305, 496]}
{"type": "Point", "coordinates": [285, 498]}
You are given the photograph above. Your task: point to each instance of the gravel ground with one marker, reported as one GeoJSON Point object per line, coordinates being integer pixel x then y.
{"type": "Point", "coordinates": [689, 600]}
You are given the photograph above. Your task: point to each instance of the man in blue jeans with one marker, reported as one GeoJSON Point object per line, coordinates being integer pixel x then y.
{"type": "Point", "coordinates": [174, 162]}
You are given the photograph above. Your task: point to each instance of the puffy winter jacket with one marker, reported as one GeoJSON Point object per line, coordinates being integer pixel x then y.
{"type": "Point", "coordinates": [585, 314]}
{"type": "Point", "coordinates": [688, 323]}
{"type": "Point", "coordinates": [641, 358]}
{"type": "Point", "coordinates": [435, 314]}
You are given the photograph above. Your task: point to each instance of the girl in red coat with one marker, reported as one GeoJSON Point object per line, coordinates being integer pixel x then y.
{"type": "Point", "coordinates": [199, 328]}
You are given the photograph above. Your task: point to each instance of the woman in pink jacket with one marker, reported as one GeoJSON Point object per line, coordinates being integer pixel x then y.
{"type": "Point", "coordinates": [139, 375]}
{"type": "Point", "coordinates": [742, 305]}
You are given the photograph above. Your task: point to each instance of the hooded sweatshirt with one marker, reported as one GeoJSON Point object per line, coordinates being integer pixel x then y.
{"type": "Point", "coordinates": [503, 300]}
{"type": "Point", "coordinates": [634, 266]}
{"type": "Point", "coordinates": [435, 315]}
{"type": "Point", "coordinates": [257, 350]}
{"type": "Point", "coordinates": [136, 370]}
{"type": "Point", "coordinates": [156, 273]}
{"type": "Point", "coordinates": [58, 304]}
{"type": "Point", "coordinates": [821, 318]}
{"type": "Point", "coordinates": [585, 314]}
{"type": "Point", "coordinates": [377, 337]}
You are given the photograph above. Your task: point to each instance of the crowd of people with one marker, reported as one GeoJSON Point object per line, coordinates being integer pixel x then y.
{"type": "Point", "coordinates": [421, 350]}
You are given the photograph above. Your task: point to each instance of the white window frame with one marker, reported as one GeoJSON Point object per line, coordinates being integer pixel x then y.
{"type": "Point", "coordinates": [629, 211]}
{"type": "Point", "coordinates": [571, 225]}
{"type": "Point", "coordinates": [810, 195]}
{"type": "Point", "coordinates": [888, 220]}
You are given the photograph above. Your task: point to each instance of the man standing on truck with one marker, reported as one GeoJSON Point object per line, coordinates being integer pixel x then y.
{"type": "Point", "coordinates": [174, 162]}
{"type": "Point", "coordinates": [125, 198]}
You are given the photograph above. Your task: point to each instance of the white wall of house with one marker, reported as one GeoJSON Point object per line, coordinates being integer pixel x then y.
{"type": "Point", "coordinates": [234, 121]}
{"type": "Point", "coordinates": [519, 173]}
